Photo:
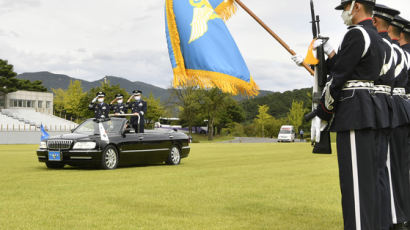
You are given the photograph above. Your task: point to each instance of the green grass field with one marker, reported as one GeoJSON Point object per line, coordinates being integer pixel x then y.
{"type": "Point", "coordinates": [219, 186]}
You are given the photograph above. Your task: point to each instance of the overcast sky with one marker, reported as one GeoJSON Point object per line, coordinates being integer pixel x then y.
{"type": "Point", "coordinates": [89, 39]}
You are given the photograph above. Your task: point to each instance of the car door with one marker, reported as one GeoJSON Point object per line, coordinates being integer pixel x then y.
{"type": "Point", "coordinates": [131, 149]}
{"type": "Point", "coordinates": [157, 146]}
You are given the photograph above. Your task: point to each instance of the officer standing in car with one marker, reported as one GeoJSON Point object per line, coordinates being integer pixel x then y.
{"type": "Point", "coordinates": [347, 103]}
{"type": "Point", "coordinates": [101, 109]}
{"type": "Point", "coordinates": [138, 107]}
{"type": "Point", "coordinates": [120, 107]}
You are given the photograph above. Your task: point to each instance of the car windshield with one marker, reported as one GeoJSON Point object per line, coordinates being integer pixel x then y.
{"type": "Point", "coordinates": [285, 132]}
{"type": "Point", "coordinates": [91, 127]}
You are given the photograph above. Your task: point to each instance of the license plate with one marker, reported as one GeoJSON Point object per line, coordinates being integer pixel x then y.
{"type": "Point", "coordinates": [54, 156]}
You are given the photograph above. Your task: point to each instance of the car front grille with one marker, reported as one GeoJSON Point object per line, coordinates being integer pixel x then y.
{"type": "Point", "coordinates": [59, 144]}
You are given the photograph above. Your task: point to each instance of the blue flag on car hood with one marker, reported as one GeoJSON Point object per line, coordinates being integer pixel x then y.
{"type": "Point", "coordinates": [44, 134]}
{"type": "Point", "coordinates": [201, 48]}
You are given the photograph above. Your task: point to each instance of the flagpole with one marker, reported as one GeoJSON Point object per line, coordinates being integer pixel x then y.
{"type": "Point", "coordinates": [273, 34]}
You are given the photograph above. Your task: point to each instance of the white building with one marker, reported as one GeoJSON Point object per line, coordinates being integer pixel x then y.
{"type": "Point", "coordinates": [39, 101]}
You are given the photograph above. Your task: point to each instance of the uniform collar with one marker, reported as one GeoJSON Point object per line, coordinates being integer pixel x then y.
{"type": "Point", "coordinates": [406, 47]}
{"type": "Point", "coordinates": [395, 41]}
{"type": "Point", "coordinates": [385, 35]}
{"type": "Point", "coordinates": [367, 22]}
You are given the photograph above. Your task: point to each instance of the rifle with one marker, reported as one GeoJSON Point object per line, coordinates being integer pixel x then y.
{"type": "Point", "coordinates": [324, 146]}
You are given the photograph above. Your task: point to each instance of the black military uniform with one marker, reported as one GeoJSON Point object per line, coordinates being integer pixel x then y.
{"type": "Point", "coordinates": [119, 108]}
{"type": "Point", "coordinates": [398, 161]}
{"type": "Point", "coordinates": [348, 97]}
{"type": "Point", "coordinates": [384, 108]}
{"type": "Point", "coordinates": [140, 107]}
{"type": "Point", "coordinates": [101, 109]}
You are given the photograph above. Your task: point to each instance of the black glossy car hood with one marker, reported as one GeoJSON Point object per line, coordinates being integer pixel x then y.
{"type": "Point", "coordinates": [71, 136]}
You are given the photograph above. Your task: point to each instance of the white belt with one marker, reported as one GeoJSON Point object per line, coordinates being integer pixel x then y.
{"type": "Point", "coordinates": [356, 84]}
{"type": "Point", "coordinates": [399, 91]}
{"type": "Point", "coordinates": [382, 89]}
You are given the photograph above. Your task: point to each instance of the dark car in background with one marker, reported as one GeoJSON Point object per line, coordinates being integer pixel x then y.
{"type": "Point", "coordinates": [118, 146]}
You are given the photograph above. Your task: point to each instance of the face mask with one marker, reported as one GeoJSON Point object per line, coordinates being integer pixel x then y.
{"type": "Point", "coordinates": [137, 98]}
{"type": "Point", "coordinates": [120, 101]}
{"type": "Point", "coordinates": [347, 16]}
{"type": "Point", "coordinates": [101, 100]}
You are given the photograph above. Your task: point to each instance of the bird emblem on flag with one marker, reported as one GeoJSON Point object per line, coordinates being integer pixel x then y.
{"type": "Point", "coordinates": [203, 12]}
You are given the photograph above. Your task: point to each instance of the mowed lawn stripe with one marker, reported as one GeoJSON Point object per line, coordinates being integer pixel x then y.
{"type": "Point", "coordinates": [219, 186]}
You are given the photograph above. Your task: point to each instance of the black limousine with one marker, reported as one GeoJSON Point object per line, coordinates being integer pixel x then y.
{"type": "Point", "coordinates": [120, 146]}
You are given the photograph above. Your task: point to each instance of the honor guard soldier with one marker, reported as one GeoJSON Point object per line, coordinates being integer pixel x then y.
{"type": "Point", "coordinates": [138, 107]}
{"type": "Point", "coordinates": [348, 104]}
{"type": "Point", "coordinates": [120, 107]}
{"type": "Point", "coordinates": [100, 108]}
{"type": "Point", "coordinates": [405, 45]}
{"type": "Point", "coordinates": [382, 17]}
{"type": "Point", "coordinates": [399, 139]}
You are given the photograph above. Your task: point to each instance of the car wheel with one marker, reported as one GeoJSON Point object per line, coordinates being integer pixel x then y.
{"type": "Point", "coordinates": [202, 132]}
{"type": "Point", "coordinates": [54, 165]}
{"type": "Point", "coordinates": [109, 158]}
{"type": "Point", "coordinates": [174, 156]}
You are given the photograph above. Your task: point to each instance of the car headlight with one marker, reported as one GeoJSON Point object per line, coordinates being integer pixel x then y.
{"type": "Point", "coordinates": [84, 145]}
{"type": "Point", "coordinates": [43, 145]}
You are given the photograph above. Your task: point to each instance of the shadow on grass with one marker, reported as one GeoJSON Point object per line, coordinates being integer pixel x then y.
{"type": "Point", "coordinates": [95, 168]}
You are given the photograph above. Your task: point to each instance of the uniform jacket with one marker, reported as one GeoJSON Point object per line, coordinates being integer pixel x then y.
{"type": "Point", "coordinates": [383, 102]}
{"type": "Point", "coordinates": [121, 108]}
{"type": "Point", "coordinates": [101, 110]}
{"type": "Point", "coordinates": [360, 57]}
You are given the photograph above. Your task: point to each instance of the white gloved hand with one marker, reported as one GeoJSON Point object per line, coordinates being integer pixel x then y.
{"type": "Point", "coordinates": [298, 59]}
{"type": "Point", "coordinates": [94, 100]}
{"type": "Point", "coordinates": [326, 46]}
{"type": "Point", "coordinates": [318, 125]}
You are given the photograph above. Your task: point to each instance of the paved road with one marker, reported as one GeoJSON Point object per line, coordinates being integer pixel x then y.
{"type": "Point", "coordinates": [254, 140]}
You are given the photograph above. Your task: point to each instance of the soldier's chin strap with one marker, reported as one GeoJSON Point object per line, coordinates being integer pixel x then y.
{"type": "Point", "coordinates": [351, 7]}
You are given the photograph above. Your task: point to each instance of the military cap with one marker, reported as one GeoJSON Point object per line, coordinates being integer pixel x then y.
{"type": "Point", "coordinates": [399, 22]}
{"type": "Point", "coordinates": [119, 95]}
{"type": "Point", "coordinates": [345, 2]}
{"type": "Point", "coordinates": [100, 94]}
{"type": "Point", "coordinates": [137, 92]}
{"type": "Point", "coordinates": [385, 12]}
{"type": "Point", "coordinates": [407, 28]}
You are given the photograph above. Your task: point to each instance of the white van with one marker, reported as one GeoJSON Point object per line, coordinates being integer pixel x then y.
{"type": "Point", "coordinates": [286, 133]}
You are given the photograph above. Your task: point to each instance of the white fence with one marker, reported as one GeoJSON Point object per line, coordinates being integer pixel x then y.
{"type": "Point", "coordinates": [28, 128]}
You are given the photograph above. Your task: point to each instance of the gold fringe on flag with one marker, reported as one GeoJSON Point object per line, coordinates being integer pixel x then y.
{"type": "Point", "coordinates": [226, 9]}
{"type": "Point", "coordinates": [202, 78]}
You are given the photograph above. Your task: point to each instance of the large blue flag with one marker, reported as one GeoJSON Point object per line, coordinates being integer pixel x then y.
{"type": "Point", "coordinates": [201, 49]}
{"type": "Point", "coordinates": [44, 134]}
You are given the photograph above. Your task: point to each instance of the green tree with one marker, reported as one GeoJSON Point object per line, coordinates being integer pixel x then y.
{"type": "Point", "coordinates": [262, 118]}
{"type": "Point", "coordinates": [72, 99]}
{"type": "Point", "coordinates": [154, 111]}
{"type": "Point", "coordinates": [187, 100]}
{"type": "Point", "coordinates": [212, 101]}
{"type": "Point", "coordinates": [231, 112]}
{"type": "Point", "coordinates": [9, 83]}
{"type": "Point", "coordinates": [59, 96]}
{"type": "Point", "coordinates": [295, 115]}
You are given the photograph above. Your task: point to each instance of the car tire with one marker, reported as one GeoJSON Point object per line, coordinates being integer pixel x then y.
{"type": "Point", "coordinates": [202, 132]}
{"type": "Point", "coordinates": [54, 165]}
{"type": "Point", "coordinates": [174, 156]}
{"type": "Point", "coordinates": [109, 159]}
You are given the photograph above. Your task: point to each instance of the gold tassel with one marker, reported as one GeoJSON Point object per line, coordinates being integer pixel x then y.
{"type": "Point", "coordinates": [310, 59]}
{"type": "Point", "coordinates": [226, 9]}
{"type": "Point", "coordinates": [209, 79]}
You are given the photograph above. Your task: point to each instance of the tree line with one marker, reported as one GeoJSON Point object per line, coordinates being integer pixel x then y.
{"type": "Point", "coordinates": [222, 113]}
